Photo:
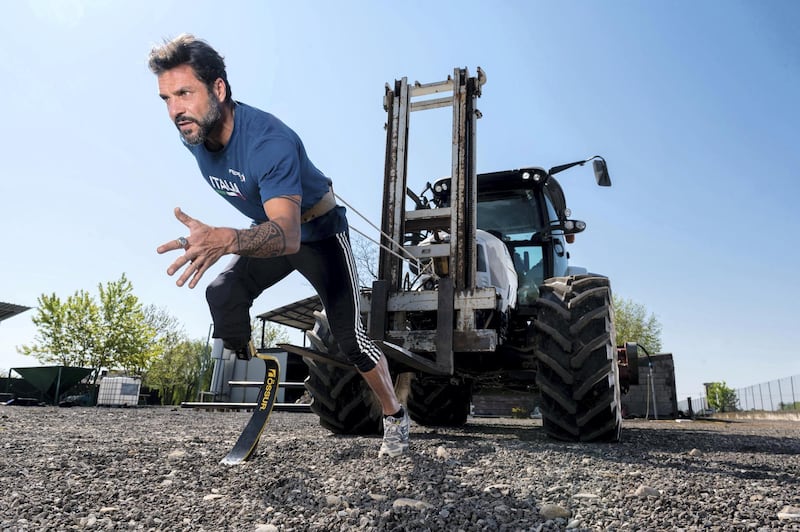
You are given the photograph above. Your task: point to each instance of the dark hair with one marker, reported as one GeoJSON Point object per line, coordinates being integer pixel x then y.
{"type": "Point", "coordinates": [186, 49]}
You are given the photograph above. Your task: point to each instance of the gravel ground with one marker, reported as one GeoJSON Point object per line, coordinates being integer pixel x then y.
{"type": "Point", "coordinates": [158, 469]}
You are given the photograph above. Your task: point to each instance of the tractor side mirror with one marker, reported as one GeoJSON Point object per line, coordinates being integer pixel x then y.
{"type": "Point", "coordinates": [601, 173]}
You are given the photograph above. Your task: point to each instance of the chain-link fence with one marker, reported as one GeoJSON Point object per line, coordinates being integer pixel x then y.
{"type": "Point", "coordinates": [773, 396]}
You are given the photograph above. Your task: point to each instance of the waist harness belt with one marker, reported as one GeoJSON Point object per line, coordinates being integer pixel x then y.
{"type": "Point", "coordinates": [323, 206]}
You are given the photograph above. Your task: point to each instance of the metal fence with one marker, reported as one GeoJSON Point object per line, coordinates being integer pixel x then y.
{"type": "Point", "coordinates": [773, 396]}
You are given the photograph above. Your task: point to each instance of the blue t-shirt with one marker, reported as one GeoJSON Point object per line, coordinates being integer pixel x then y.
{"type": "Point", "coordinates": [264, 159]}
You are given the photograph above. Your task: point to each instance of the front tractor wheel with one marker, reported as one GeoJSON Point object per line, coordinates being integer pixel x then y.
{"type": "Point", "coordinates": [342, 400]}
{"type": "Point", "coordinates": [577, 359]}
{"type": "Point", "coordinates": [340, 397]}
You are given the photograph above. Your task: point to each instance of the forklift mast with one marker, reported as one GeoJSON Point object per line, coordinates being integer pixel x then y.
{"type": "Point", "coordinates": [454, 301]}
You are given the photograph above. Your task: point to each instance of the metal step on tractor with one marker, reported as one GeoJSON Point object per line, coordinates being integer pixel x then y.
{"type": "Point", "coordinates": [474, 292]}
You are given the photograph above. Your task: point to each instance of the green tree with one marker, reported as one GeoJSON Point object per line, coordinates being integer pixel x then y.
{"type": "Point", "coordinates": [84, 328]}
{"type": "Point", "coordinates": [167, 332]}
{"type": "Point", "coordinates": [126, 336]}
{"type": "Point", "coordinates": [632, 324]}
{"type": "Point", "coordinates": [273, 333]}
{"type": "Point", "coordinates": [177, 367]}
{"type": "Point", "coordinates": [52, 345]}
{"type": "Point", "coordinates": [180, 370]}
{"type": "Point", "coordinates": [82, 332]}
{"type": "Point", "coordinates": [720, 397]}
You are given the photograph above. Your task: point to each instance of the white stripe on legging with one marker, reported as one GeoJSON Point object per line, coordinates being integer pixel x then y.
{"type": "Point", "coordinates": [364, 342]}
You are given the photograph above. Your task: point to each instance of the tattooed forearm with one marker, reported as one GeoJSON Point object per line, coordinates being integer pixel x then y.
{"type": "Point", "coordinates": [264, 240]}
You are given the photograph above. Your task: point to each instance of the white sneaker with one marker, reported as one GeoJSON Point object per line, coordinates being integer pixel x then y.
{"type": "Point", "coordinates": [395, 435]}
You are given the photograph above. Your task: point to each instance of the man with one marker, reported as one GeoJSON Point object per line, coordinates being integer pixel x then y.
{"type": "Point", "coordinates": [260, 167]}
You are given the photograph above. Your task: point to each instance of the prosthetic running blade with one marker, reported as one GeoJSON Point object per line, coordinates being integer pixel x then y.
{"type": "Point", "coordinates": [248, 440]}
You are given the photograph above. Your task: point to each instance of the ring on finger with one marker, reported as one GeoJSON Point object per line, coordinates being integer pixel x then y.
{"type": "Point", "coordinates": [182, 242]}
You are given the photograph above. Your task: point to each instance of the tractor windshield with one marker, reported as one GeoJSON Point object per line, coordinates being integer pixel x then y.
{"type": "Point", "coordinates": [514, 214]}
{"type": "Point", "coordinates": [514, 217]}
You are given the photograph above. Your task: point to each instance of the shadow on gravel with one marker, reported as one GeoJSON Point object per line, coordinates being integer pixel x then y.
{"type": "Point", "coordinates": [722, 451]}
{"type": "Point", "coordinates": [527, 433]}
{"type": "Point", "coordinates": [672, 440]}
{"type": "Point", "coordinates": [469, 435]}
{"type": "Point", "coordinates": [746, 471]}
{"type": "Point", "coordinates": [670, 449]}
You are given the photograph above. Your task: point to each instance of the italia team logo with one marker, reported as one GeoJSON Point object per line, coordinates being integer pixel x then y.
{"type": "Point", "coordinates": [225, 188]}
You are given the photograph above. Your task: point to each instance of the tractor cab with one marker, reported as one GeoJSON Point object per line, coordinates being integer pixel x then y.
{"type": "Point", "coordinates": [526, 210]}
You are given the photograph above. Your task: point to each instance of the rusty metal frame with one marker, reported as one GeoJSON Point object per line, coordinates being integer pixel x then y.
{"type": "Point", "coordinates": [386, 316]}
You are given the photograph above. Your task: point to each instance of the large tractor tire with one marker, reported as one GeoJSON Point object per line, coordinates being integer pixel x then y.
{"type": "Point", "coordinates": [577, 359]}
{"type": "Point", "coordinates": [439, 402]}
{"type": "Point", "coordinates": [340, 397]}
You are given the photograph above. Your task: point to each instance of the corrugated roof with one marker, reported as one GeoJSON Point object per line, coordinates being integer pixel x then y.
{"type": "Point", "coordinates": [9, 310]}
{"type": "Point", "coordinates": [299, 314]}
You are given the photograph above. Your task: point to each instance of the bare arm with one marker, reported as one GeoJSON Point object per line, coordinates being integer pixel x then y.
{"type": "Point", "coordinates": [205, 244]}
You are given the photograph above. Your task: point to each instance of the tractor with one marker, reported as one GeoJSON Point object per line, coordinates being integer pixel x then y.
{"type": "Point", "coordinates": [474, 292]}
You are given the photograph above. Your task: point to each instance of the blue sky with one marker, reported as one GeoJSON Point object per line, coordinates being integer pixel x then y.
{"type": "Point", "coordinates": [693, 104]}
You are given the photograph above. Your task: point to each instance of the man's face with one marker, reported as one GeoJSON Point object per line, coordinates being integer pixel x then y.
{"type": "Point", "coordinates": [191, 107]}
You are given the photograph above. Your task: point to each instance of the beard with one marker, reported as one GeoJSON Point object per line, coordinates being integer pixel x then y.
{"type": "Point", "coordinates": [205, 124]}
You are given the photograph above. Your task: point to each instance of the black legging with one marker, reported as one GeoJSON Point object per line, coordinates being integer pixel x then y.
{"type": "Point", "coordinates": [330, 268]}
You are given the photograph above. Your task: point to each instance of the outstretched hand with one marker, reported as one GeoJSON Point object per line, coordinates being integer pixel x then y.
{"type": "Point", "coordinates": [204, 247]}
